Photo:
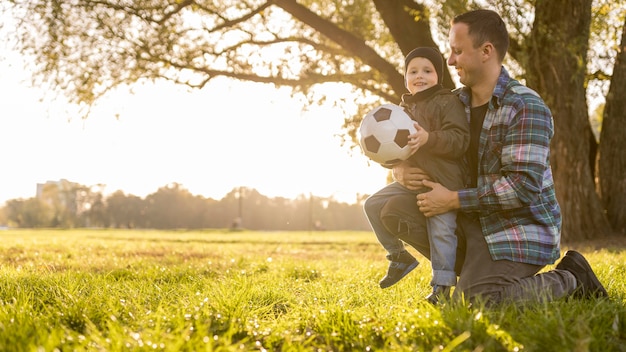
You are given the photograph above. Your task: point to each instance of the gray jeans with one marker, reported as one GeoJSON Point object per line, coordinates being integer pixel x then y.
{"type": "Point", "coordinates": [503, 280]}
{"type": "Point", "coordinates": [480, 277]}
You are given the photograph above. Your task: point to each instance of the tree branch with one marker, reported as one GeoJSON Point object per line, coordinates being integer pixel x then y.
{"type": "Point", "coordinates": [346, 40]}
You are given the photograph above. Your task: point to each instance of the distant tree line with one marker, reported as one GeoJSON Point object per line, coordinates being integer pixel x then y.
{"type": "Point", "coordinates": [172, 207]}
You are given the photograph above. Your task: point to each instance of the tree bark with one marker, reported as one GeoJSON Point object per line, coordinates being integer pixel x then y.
{"type": "Point", "coordinates": [612, 162]}
{"type": "Point", "coordinates": [558, 46]}
{"type": "Point", "coordinates": [409, 25]}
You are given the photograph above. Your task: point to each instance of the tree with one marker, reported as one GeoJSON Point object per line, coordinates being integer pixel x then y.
{"type": "Point", "coordinates": [96, 216]}
{"type": "Point", "coordinates": [30, 212]}
{"type": "Point", "coordinates": [69, 200]}
{"type": "Point", "coordinates": [124, 211]}
{"type": "Point", "coordinates": [3, 217]}
{"type": "Point", "coordinates": [90, 47]}
{"type": "Point", "coordinates": [171, 207]}
{"type": "Point", "coordinates": [612, 163]}
{"type": "Point", "coordinates": [562, 83]}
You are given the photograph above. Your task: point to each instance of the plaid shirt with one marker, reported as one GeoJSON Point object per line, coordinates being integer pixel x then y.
{"type": "Point", "coordinates": [515, 198]}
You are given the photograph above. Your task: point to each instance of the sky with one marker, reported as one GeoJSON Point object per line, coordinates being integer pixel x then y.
{"type": "Point", "coordinates": [229, 134]}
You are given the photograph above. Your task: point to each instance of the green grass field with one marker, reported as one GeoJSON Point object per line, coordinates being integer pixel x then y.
{"type": "Point", "coordinates": [106, 290]}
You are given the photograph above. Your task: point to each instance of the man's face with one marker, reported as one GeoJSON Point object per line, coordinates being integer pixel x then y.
{"type": "Point", "coordinates": [464, 57]}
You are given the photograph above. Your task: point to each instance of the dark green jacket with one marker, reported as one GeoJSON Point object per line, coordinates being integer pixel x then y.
{"type": "Point", "coordinates": [442, 114]}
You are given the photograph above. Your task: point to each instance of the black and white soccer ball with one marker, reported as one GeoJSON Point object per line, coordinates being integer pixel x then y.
{"type": "Point", "coordinates": [384, 132]}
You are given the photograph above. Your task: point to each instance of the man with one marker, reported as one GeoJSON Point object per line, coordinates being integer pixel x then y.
{"type": "Point", "coordinates": [509, 221]}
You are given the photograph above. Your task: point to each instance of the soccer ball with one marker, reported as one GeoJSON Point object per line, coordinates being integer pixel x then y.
{"type": "Point", "coordinates": [384, 134]}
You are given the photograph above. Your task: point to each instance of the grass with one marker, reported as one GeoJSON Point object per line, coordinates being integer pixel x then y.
{"type": "Point", "coordinates": [106, 290]}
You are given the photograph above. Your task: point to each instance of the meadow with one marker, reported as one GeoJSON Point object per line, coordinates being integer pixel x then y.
{"type": "Point", "coordinates": [135, 290]}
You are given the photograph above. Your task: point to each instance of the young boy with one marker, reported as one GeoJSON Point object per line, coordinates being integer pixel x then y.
{"type": "Point", "coordinates": [440, 142]}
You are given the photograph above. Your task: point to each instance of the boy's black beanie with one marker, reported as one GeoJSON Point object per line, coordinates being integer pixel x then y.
{"type": "Point", "coordinates": [429, 53]}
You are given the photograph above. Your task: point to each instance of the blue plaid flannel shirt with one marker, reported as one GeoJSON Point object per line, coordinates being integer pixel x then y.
{"type": "Point", "coordinates": [515, 198]}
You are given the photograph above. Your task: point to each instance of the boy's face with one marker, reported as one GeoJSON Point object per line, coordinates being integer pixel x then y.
{"type": "Point", "coordinates": [420, 75]}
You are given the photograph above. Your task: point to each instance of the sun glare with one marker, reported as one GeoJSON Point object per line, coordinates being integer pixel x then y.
{"type": "Point", "coordinates": [228, 135]}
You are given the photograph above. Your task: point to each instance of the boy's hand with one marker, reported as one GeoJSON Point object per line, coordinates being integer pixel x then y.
{"type": "Point", "coordinates": [417, 139]}
{"type": "Point", "coordinates": [409, 176]}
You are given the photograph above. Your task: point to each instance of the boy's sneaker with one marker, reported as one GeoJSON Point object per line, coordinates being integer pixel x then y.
{"type": "Point", "coordinates": [400, 265]}
{"type": "Point", "coordinates": [588, 285]}
{"type": "Point", "coordinates": [439, 294]}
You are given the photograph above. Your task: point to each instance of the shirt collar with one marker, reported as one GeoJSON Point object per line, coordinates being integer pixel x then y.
{"type": "Point", "coordinates": [498, 92]}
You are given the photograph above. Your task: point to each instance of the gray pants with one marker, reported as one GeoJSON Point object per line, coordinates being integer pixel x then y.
{"type": "Point", "coordinates": [501, 280]}
{"type": "Point", "coordinates": [480, 277]}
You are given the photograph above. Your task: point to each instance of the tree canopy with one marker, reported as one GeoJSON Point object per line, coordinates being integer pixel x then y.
{"type": "Point", "coordinates": [85, 48]}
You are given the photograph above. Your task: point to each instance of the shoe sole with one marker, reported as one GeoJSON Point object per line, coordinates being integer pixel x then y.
{"type": "Point", "coordinates": [404, 273]}
{"type": "Point", "coordinates": [580, 260]}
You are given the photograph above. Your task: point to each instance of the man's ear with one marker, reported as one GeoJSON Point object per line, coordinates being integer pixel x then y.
{"type": "Point", "coordinates": [488, 50]}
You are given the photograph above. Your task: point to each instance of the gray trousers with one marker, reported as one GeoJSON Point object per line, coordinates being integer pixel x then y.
{"type": "Point", "coordinates": [480, 277]}
{"type": "Point", "coordinates": [500, 280]}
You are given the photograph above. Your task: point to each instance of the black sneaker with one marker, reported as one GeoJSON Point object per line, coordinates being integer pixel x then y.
{"type": "Point", "coordinates": [439, 294]}
{"type": "Point", "coordinates": [400, 265]}
{"type": "Point", "coordinates": [588, 285]}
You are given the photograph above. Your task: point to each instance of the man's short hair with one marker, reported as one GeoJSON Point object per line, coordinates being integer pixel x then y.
{"type": "Point", "coordinates": [486, 26]}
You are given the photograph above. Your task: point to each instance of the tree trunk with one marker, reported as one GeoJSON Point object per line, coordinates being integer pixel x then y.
{"type": "Point", "coordinates": [612, 162]}
{"type": "Point", "coordinates": [558, 46]}
{"type": "Point", "coordinates": [409, 25]}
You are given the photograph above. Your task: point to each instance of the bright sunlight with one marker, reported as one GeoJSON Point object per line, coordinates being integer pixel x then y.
{"type": "Point", "coordinates": [229, 134]}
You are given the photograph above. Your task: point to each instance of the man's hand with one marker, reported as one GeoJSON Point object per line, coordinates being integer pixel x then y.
{"type": "Point", "coordinates": [437, 201]}
{"type": "Point", "coordinates": [409, 176]}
